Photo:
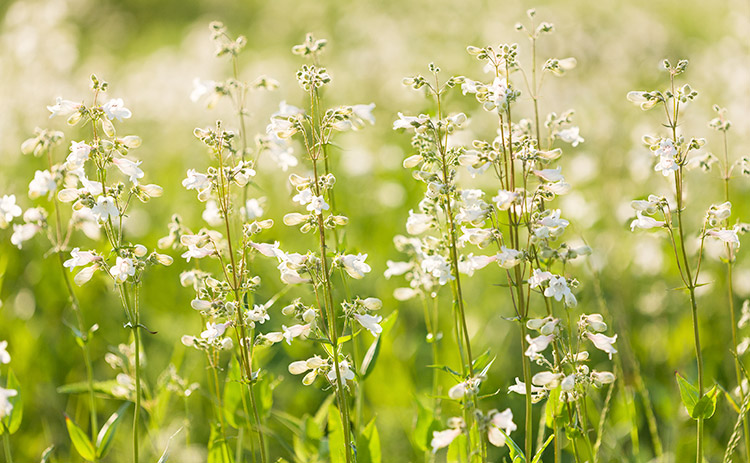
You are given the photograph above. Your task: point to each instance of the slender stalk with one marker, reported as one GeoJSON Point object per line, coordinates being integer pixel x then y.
{"type": "Point", "coordinates": [6, 445]}
{"type": "Point", "coordinates": [137, 340]}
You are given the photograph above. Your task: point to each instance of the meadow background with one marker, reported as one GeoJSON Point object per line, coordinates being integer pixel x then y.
{"type": "Point", "coordinates": [150, 52]}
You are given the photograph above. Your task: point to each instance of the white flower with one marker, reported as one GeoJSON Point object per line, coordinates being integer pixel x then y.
{"type": "Point", "coordinates": [122, 269]}
{"type": "Point", "coordinates": [602, 377]}
{"type": "Point", "coordinates": [648, 206]}
{"type": "Point", "coordinates": [418, 223]}
{"type": "Point", "coordinates": [203, 88]}
{"type": "Point", "coordinates": [85, 275]}
{"type": "Point", "coordinates": [212, 214]}
{"type": "Point", "coordinates": [370, 322]}
{"type": "Point", "coordinates": [258, 314]}
{"type": "Point", "coordinates": [500, 420]}
{"type": "Point", "coordinates": [644, 222]}
{"type": "Point", "coordinates": [508, 258]}
{"type": "Point", "coordinates": [666, 165]}
{"type": "Point", "coordinates": [4, 355]}
{"type": "Point", "coordinates": [438, 267]}
{"type": "Point", "coordinates": [42, 184]}
{"type": "Point", "coordinates": [318, 205]}
{"type": "Point", "coordinates": [546, 379]}
{"type": "Point", "coordinates": [105, 209]}
{"type": "Point", "coordinates": [603, 342]}
{"type": "Point", "coordinates": [252, 209]}
{"type": "Point", "coordinates": [63, 107]}
{"type": "Point", "coordinates": [268, 249]}
{"type": "Point", "coordinates": [720, 211]}
{"type": "Point", "coordinates": [200, 305]}
{"type": "Point", "coordinates": [23, 233]}
{"type": "Point", "coordinates": [594, 321]}
{"type": "Point", "coordinates": [500, 92]}
{"type": "Point", "coordinates": [303, 197]}
{"type": "Point", "coordinates": [345, 373]}
{"type": "Point", "coordinates": [442, 439]}
{"type": "Point", "coordinates": [115, 108]}
{"type": "Point", "coordinates": [281, 128]}
{"type": "Point", "coordinates": [214, 330]}
{"type": "Point", "coordinates": [8, 210]}
{"type": "Point", "coordinates": [537, 345]}
{"type": "Point", "coordinates": [298, 367]}
{"type": "Point", "coordinates": [396, 268]}
{"type": "Point", "coordinates": [355, 266]}
{"type": "Point", "coordinates": [198, 252]}
{"type": "Point", "coordinates": [558, 288]}
{"type": "Point", "coordinates": [79, 154]}
{"type": "Point", "coordinates": [362, 113]}
{"type": "Point", "coordinates": [550, 175]}
{"type": "Point", "coordinates": [294, 331]}
{"type": "Point", "coordinates": [570, 135]}
{"type": "Point", "coordinates": [727, 235]}
{"type": "Point", "coordinates": [196, 181]}
{"type": "Point", "coordinates": [538, 277]}
{"type": "Point", "coordinates": [5, 406]}
{"type": "Point", "coordinates": [665, 148]}
{"type": "Point", "coordinates": [129, 168]}
{"type": "Point", "coordinates": [476, 236]}
{"type": "Point", "coordinates": [408, 122]}
{"type": "Point", "coordinates": [504, 199]}
{"type": "Point", "coordinates": [473, 263]}
{"type": "Point", "coordinates": [520, 388]}
{"type": "Point", "coordinates": [79, 258]}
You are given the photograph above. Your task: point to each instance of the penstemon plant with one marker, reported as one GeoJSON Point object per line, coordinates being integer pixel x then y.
{"type": "Point", "coordinates": [676, 155]}
{"type": "Point", "coordinates": [525, 232]}
{"type": "Point", "coordinates": [100, 203]}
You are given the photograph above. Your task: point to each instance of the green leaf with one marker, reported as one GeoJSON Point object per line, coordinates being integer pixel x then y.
{"type": "Point", "coordinates": [233, 395]}
{"type": "Point", "coordinates": [538, 457]}
{"type": "Point", "coordinates": [218, 449]}
{"type": "Point", "coordinates": [13, 421]}
{"type": "Point", "coordinates": [482, 361]}
{"type": "Point", "coordinates": [336, 445]}
{"type": "Point", "coordinates": [552, 407]}
{"type": "Point", "coordinates": [457, 449]}
{"type": "Point", "coordinates": [688, 392]}
{"type": "Point", "coordinates": [47, 454]}
{"type": "Point", "coordinates": [516, 454]}
{"type": "Point", "coordinates": [371, 356]}
{"type": "Point", "coordinates": [368, 445]}
{"type": "Point", "coordinates": [706, 405]}
{"type": "Point", "coordinates": [107, 433]}
{"type": "Point", "coordinates": [102, 387]}
{"type": "Point", "coordinates": [80, 440]}
{"type": "Point", "coordinates": [165, 456]}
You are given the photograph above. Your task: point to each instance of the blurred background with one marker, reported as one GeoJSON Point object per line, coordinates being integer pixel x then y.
{"type": "Point", "coordinates": [150, 52]}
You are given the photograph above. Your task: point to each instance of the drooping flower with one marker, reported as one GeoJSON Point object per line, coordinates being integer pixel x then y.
{"type": "Point", "coordinates": [345, 373]}
{"type": "Point", "coordinates": [5, 406]}
{"type": "Point", "coordinates": [63, 107]}
{"type": "Point", "coordinates": [42, 184]}
{"type": "Point", "coordinates": [370, 322]}
{"type": "Point", "coordinates": [79, 258]}
{"type": "Point", "coordinates": [603, 342]}
{"type": "Point", "coordinates": [500, 420]}
{"type": "Point", "coordinates": [4, 355]}
{"type": "Point", "coordinates": [129, 168]}
{"type": "Point", "coordinates": [442, 439]}
{"type": "Point", "coordinates": [355, 265]}
{"type": "Point", "coordinates": [115, 109]}
{"type": "Point", "coordinates": [644, 222]}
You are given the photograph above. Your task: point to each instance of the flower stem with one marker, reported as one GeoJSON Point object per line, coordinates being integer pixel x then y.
{"type": "Point", "coordinates": [6, 445]}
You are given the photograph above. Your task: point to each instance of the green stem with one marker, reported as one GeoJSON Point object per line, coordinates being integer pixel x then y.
{"type": "Point", "coordinates": [137, 413]}
{"type": "Point", "coordinates": [6, 445]}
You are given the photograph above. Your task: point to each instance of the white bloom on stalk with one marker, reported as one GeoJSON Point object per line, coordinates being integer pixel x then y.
{"type": "Point", "coordinates": [558, 288]}
{"type": "Point", "coordinates": [442, 439]}
{"type": "Point", "coordinates": [602, 377]}
{"type": "Point", "coordinates": [63, 107]}
{"type": "Point", "coordinates": [304, 197]}
{"type": "Point", "coordinates": [438, 267]}
{"type": "Point", "coordinates": [42, 184]}
{"type": "Point", "coordinates": [115, 109]}
{"type": "Point", "coordinates": [79, 154]}
{"type": "Point", "coordinates": [520, 388]}
{"type": "Point", "coordinates": [4, 355]}
{"type": "Point", "coordinates": [362, 113]}
{"type": "Point", "coordinates": [508, 258]}
{"type": "Point", "coordinates": [196, 181]}
{"type": "Point", "coordinates": [5, 406]}
{"type": "Point", "coordinates": [603, 342]}
{"type": "Point", "coordinates": [570, 135]}
{"type": "Point", "coordinates": [85, 275]}
{"type": "Point", "coordinates": [355, 265]}
{"type": "Point", "coordinates": [476, 236]}
{"type": "Point", "coordinates": [79, 258]}
{"type": "Point", "coordinates": [198, 252]}
{"type": "Point", "coordinates": [22, 233]}
{"type": "Point", "coordinates": [105, 209]}
{"type": "Point", "coordinates": [8, 210]}
{"type": "Point", "coordinates": [418, 223]}
{"type": "Point", "coordinates": [537, 345]}
{"type": "Point", "coordinates": [547, 379]}
{"type": "Point", "coordinates": [644, 222]}
{"type": "Point", "coordinates": [129, 168]}
{"type": "Point", "coordinates": [370, 322]}
{"type": "Point", "coordinates": [472, 263]}
{"type": "Point", "coordinates": [504, 199]}
{"type": "Point", "coordinates": [214, 330]}
{"type": "Point", "coordinates": [295, 331]}
{"type": "Point", "coordinates": [203, 88]}
{"type": "Point", "coordinates": [538, 277]}
{"type": "Point", "coordinates": [727, 235]}
{"type": "Point", "coordinates": [212, 214]}
{"type": "Point", "coordinates": [345, 373]}
{"type": "Point", "coordinates": [252, 209]}
{"type": "Point", "coordinates": [396, 268]}
{"type": "Point", "coordinates": [500, 420]}
{"type": "Point", "coordinates": [318, 205]}
{"type": "Point", "coordinates": [550, 175]}
{"type": "Point", "coordinates": [720, 211]}
{"type": "Point", "coordinates": [122, 269]}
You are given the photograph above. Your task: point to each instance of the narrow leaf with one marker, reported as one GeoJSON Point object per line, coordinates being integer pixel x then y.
{"type": "Point", "coordinates": [336, 445]}
{"type": "Point", "coordinates": [107, 433]}
{"type": "Point", "coordinates": [80, 440]}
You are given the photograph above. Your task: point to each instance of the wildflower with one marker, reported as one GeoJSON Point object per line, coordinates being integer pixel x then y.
{"type": "Point", "coordinates": [500, 420]}
{"type": "Point", "coordinates": [212, 214]}
{"type": "Point", "coordinates": [370, 322]}
{"type": "Point", "coordinates": [5, 406]}
{"type": "Point", "coordinates": [504, 199]}
{"type": "Point", "coordinates": [558, 288]}
{"type": "Point", "coordinates": [648, 206]}
{"type": "Point", "coordinates": [79, 154]}
{"type": "Point", "coordinates": [63, 107]}
{"type": "Point", "coordinates": [602, 377]}
{"type": "Point", "coordinates": [408, 122]}
{"type": "Point", "coordinates": [520, 388]}
{"type": "Point", "coordinates": [85, 275]}
{"type": "Point", "coordinates": [345, 373]}
{"type": "Point", "coordinates": [546, 379]}
{"type": "Point", "coordinates": [129, 168]}
{"type": "Point", "coordinates": [438, 267]}
{"type": "Point", "coordinates": [644, 222]}
{"type": "Point", "coordinates": [550, 175]}
{"type": "Point", "coordinates": [8, 210]}
{"type": "Point", "coordinates": [396, 268]}
{"type": "Point", "coordinates": [727, 235]}
{"type": "Point", "coordinates": [268, 249]}
{"type": "Point", "coordinates": [42, 184]}
{"type": "Point", "coordinates": [252, 209]}
{"type": "Point", "coordinates": [115, 108]}
{"type": "Point", "coordinates": [508, 258]}
{"type": "Point", "coordinates": [214, 330]}
{"type": "Point", "coordinates": [318, 205]}
{"type": "Point", "coordinates": [537, 345]}
{"type": "Point", "coordinates": [4, 355]}
{"type": "Point", "coordinates": [203, 88]}
{"type": "Point", "coordinates": [258, 314]}
{"type": "Point", "coordinates": [294, 331]}
{"type": "Point", "coordinates": [372, 303]}
{"type": "Point", "coordinates": [79, 258]}
{"type": "Point", "coordinates": [105, 209]}
{"type": "Point", "coordinates": [603, 343]}
{"type": "Point", "coordinates": [362, 113]}
{"type": "Point", "coordinates": [418, 223]}
{"type": "Point", "coordinates": [476, 236]}
{"type": "Point", "coordinates": [472, 263]}
{"type": "Point", "coordinates": [594, 321]}
{"type": "Point", "coordinates": [570, 135]}
{"type": "Point", "coordinates": [196, 181]}
{"type": "Point", "coordinates": [442, 439]}
{"type": "Point", "coordinates": [23, 233]}
{"type": "Point", "coordinates": [198, 252]}
{"type": "Point", "coordinates": [122, 269]}
{"type": "Point", "coordinates": [538, 277]}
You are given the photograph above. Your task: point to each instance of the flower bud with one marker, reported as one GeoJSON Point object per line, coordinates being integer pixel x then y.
{"type": "Point", "coordinates": [309, 378]}
{"type": "Point", "coordinates": [67, 195]}
{"type": "Point", "coordinates": [140, 250]}
{"type": "Point", "coordinates": [188, 341]}
{"type": "Point", "coordinates": [372, 303]}
{"type": "Point", "coordinates": [413, 161]}
{"type": "Point", "coordinates": [163, 259]}
{"type": "Point", "coordinates": [298, 367]}
{"type": "Point", "coordinates": [152, 190]}
{"type": "Point", "coordinates": [131, 141]}
{"type": "Point", "coordinates": [308, 316]}
{"type": "Point", "coordinates": [294, 218]}
{"type": "Point", "coordinates": [227, 344]}
{"type": "Point", "coordinates": [200, 304]}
